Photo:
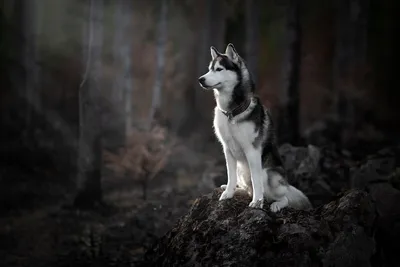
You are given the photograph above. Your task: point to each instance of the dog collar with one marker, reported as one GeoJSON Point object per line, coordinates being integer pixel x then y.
{"type": "Point", "coordinates": [239, 109]}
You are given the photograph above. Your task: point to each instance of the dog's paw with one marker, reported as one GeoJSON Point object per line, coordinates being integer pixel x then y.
{"type": "Point", "coordinates": [275, 207]}
{"type": "Point", "coordinates": [223, 186]}
{"type": "Point", "coordinates": [257, 204]}
{"type": "Point", "coordinates": [226, 194]}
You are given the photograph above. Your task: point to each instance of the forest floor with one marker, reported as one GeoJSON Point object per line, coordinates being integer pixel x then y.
{"type": "Point", "coordinates": [39, 227]}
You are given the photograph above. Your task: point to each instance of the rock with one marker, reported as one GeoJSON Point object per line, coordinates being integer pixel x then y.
{"type": "Point", "coordinates": [300, 159]}
{"type": "Point", "coordinates": [323, 132]}
{"type": "Point", "coordinates": [319, 173]}
{"type": "Point", "coordinates": [229, 233]}
{"type": "Point", "coordinates": [394, 178]}
{"type": "Point", "coordinates": [373, 170]}
{"type": "Point", "coordinates": [379, 173]}
{"type": "Point", "coordinates": [310, 164]}
{"type": "Point", "coordinates": [301, 164]}
{"type": "Point", "coordinates": [387, 199]}
{"type": "Point", "coordinates": [376, 168]}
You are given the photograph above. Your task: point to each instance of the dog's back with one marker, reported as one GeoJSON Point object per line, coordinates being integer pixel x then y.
{"type": "Point", "coordinates": [275, 182]}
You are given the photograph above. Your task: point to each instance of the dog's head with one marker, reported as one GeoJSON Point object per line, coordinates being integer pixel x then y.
{"type": "Point", "coordinates": [224, 71]}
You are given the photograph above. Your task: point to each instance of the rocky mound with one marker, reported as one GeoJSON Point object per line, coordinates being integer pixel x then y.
{"type": "Point", "coordinates": [229, 233]}
{"type": "Point", "coordinates": [360, 226]}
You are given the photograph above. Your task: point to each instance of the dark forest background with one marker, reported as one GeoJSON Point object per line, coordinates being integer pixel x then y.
{"type": "Point", "coordinates": [106, 134]}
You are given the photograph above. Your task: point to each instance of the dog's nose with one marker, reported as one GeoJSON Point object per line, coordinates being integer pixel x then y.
{"type": "Point", "coordinates": [201, 80]}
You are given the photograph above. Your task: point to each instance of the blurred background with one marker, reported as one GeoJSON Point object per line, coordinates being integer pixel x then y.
{"type": "Point", "coordinates": [106, 136]}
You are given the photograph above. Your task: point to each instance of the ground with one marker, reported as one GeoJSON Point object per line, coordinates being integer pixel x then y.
{"type": "Point", "coordinates": [40, 228]}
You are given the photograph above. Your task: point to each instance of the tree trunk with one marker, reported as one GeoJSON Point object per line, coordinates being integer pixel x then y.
{"type": "Point", "coordinates": [123, 85]}
{"type": "Point", "coordinates": [213, 34]}
{"type": "Point", "coordinates": [159, 77]}
{"type": "Point", "coordinates": [31, 56]}
{"type": "Point", "coordinates": [89, 150]}
{"type": "Point", "coordinates": [349, 54]}
{"type": "Point", "coordinates": [26, 74]}
{"type": "Point", "coordinates": [144, 188]}
{"type": "Point", "coordinates": [289, 114]}
{"type": "Point", "coordinates": [203, 57]}
{"type": "Point", "coordinates": [27, 25]}
{"type": "Point", "coordinates": [252, 38]}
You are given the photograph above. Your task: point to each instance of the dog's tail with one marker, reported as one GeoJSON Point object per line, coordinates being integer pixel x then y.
{"type": "Point", "coordinates": [297, 199]}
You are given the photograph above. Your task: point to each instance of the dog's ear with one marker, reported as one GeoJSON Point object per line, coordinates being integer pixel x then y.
{"type": "Point", "coordinates": [230, 51]}
{"type": "Point", "coordinates": [214, 52]}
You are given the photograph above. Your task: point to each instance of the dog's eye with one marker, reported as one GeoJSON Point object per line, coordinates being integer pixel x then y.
{"type": "Point", "coordinates": [218, 69]}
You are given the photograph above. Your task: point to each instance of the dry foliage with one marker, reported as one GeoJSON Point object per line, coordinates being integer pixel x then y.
{"type": "Point", "coordinates": [144, 156]}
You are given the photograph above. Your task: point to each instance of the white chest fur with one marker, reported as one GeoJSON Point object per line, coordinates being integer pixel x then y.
{"type": "Point", "coordinates": [235, 136]}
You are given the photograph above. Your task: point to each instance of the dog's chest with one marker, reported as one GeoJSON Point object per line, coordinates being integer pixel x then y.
{"type": "Point", "coordinates": [232, 135]}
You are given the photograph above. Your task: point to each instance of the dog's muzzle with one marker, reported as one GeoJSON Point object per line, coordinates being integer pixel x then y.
{"type": "Point", "coordinates": [202, 82]}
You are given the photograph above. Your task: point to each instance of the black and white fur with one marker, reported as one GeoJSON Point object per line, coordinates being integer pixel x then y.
{"type": "Point", "coordinates": [248, 139]}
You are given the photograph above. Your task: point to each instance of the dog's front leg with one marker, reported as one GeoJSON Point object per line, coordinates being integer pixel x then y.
{"type": "Point", "coordinates": [232, 175]}
{"type": "Point", "coordinates": [254, 160]}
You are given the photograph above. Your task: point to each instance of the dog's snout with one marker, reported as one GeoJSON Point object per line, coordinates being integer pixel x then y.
{"type": "Point", "coordinates": [201, 80]}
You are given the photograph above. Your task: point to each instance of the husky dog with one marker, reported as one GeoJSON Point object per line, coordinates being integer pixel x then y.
{"type": "Point", "coordinates": [245, 129]}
